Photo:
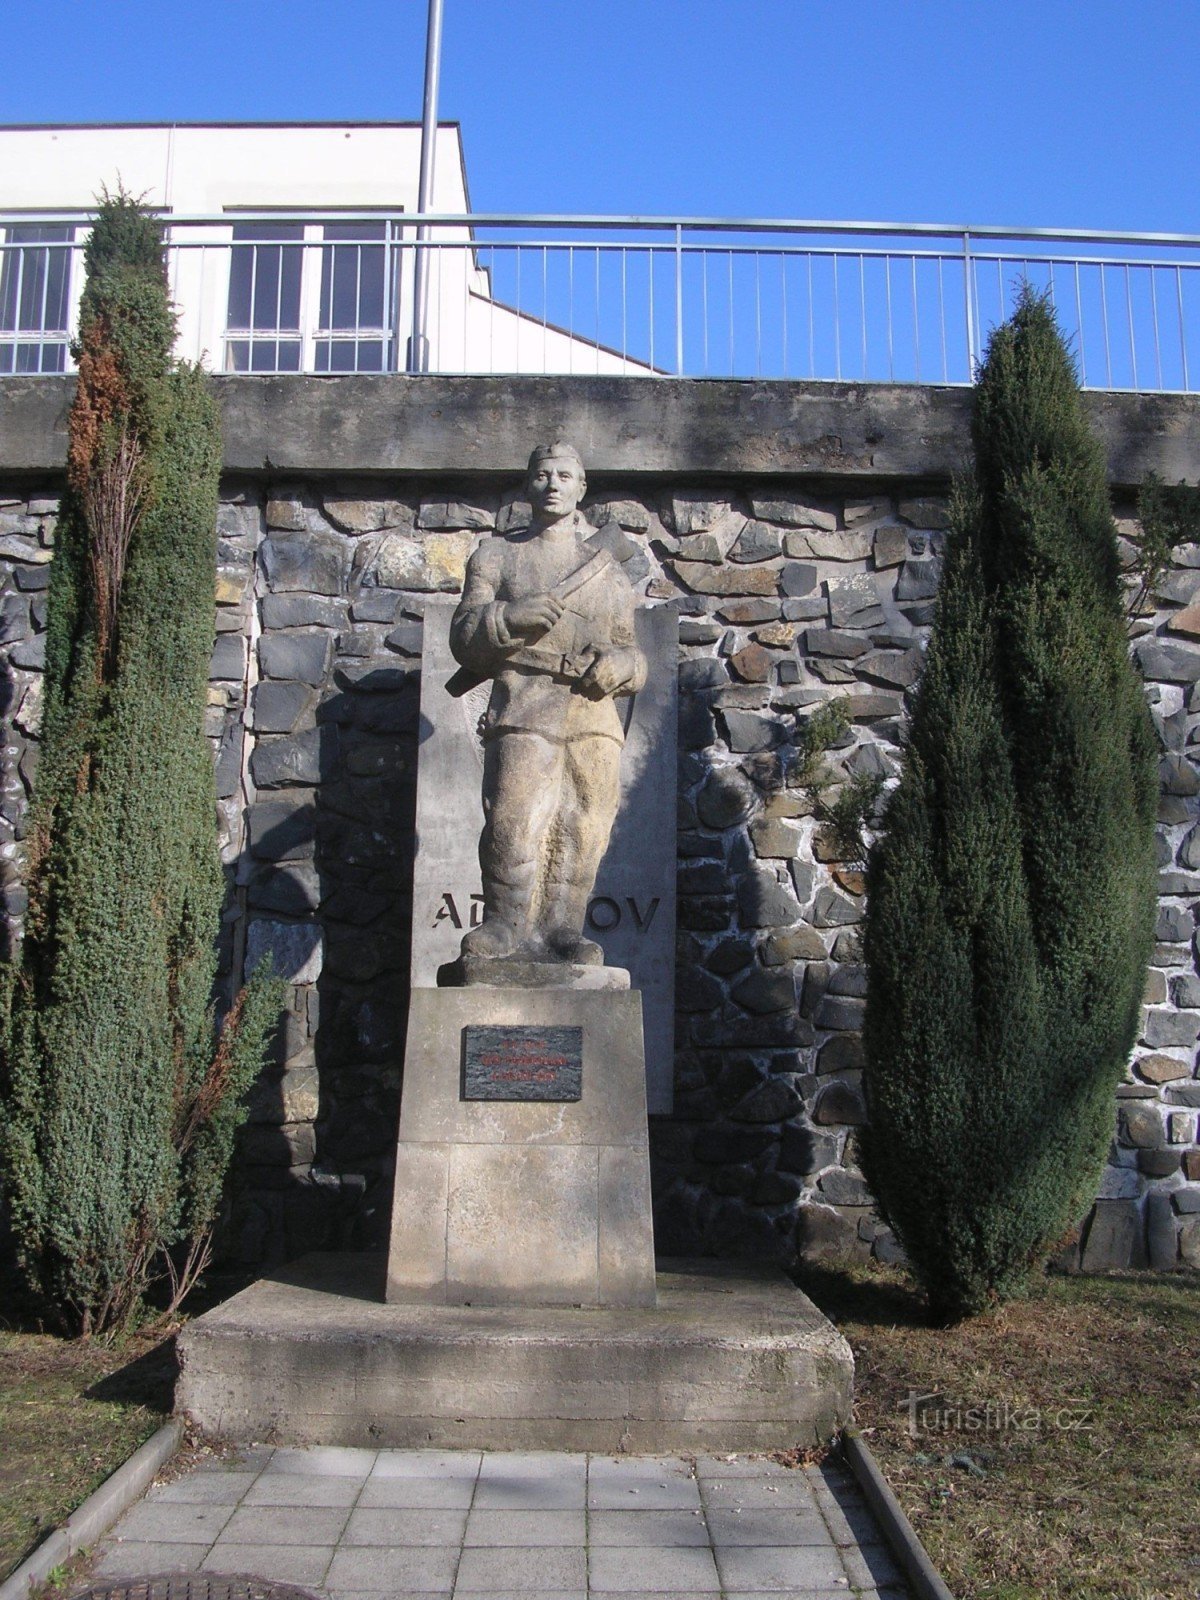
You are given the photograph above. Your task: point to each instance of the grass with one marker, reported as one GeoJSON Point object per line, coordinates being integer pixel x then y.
{"type": "Point", "coordinates": [1054, 1457]}
{"type": "Point", "coordinates": [70, 1414]}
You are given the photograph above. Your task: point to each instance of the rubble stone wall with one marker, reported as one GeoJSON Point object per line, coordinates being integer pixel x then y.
{"type": "Point", "coordinates": [791, 594]}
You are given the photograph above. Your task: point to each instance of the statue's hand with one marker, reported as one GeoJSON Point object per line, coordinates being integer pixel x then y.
{"type": "Point", "coordinates": [608, 674]}
{"type": "Point", "coordinates": [533, 617]}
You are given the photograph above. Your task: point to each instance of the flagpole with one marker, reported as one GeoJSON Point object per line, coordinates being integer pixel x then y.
{"type": "Point", "coordinates": [418, 344]}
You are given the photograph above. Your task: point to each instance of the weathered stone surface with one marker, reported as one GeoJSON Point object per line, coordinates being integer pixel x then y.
{"type": "Point", "coordinates": [1186, 622]}
{"type": "Point", "coordinates": [1120, 1183]}
{"type": "Point", "coordinates": [872, 707]}
{"type": "Point", "coordinates": [1178, 776]}
{"type": "Point", "coordinates": [843, 1053]}
{"type": "Point", "coordinates": [834, 642]}
{"type": "Point", "coordinates": [282, 830]}
{"type": "Point", "coordinates": [438, 515]}
{"type": "Point", "coordinates": [277, 762]}
{"type": "Point", "coordinates": [839, 1104]}
{"type": "Point", "coordinates": [757, 542]}
{"type": "Point", "coordinates": [725, 799]}
{"type": "Point", "coordinates": [842, 1188]}
{"type": "Point", "coordinates": [1189, 849]}
{"type": "Point", "coordinates": [702, 547]}
{"type": "Point", "coordinates": [630, 514]}
{"type": "Point", "coordinates": [843, 1013]}
{"type": "Point", "coordinates": [1162, 1246]}
{"type": "Point", "coordinates": [764, 902]}
{"type": "Point", "coordinates": [776, 1189]}
{"type": "Point", "coordinates": [819, 546]}
{"type": "Point", "coordinates": [300, 657]}
{"type": "Point", "coordinates": [698, 630]}
{"type": "Point", "coordinates": [1172, 1029]}
{"type": "Point", "coordinates": [813, 608]}
{"type": "Point", "coordinates": [1161, 1069]}
{"type": "Point", "coordinates": [700, 673]}
{"type": "Point", "coordinates": [366, 516]}
{"type": "Point", "coordinates": [296, 949]}
{"type": "Point", "coordinates": [918, 580]}
{"type": "Point", "coordinates": [772, 1101]}
{"type": "Point", "coordinates": [695, 511]}
{"type": "Point", "coordinates": [1167, 663]}
{"type": "Point", "coordinates": [375, 605]}
{"type": "Point", "coordinates": [748, 611]}
{"type": "Point", "coordinates": [407, 639]}
{"type": "Point", "coordinates": [766, 991]}
{"type": "Point", "coordinates": [890, 547]}
{"type": "Point", "coordinates": [294, 890]}
{"type": "Point", "coordinates": [1181, 1127]}
{"type": "Point", "coordinates": [746, 733]}
{"type": "Point", "coordinates": [432, 565]}
{"type": "Point", "coordinates": [1158, 1163]}
{"type": "Point", "coordinates": [303, 562]}
{"type": "Point", "coordinates": [1113, 1237]}
{"type": "Point", "coordinates": [797, 579]}
{"type": "Point", "coordinates": [849, 978]}
{"type": "Point", "coordinates": [295, 610]}
{"type": "Point", "coordinates": [230, 588]}
{"type": "Point", "coordinates": [833, 910]}
{"type": "Point", "coordinates": [895, 668]}
{"type": "Point", "coordinates": [778, 635]}
{"type": "Point", "coordinates": [285, 512]}
{"type": "Point", "coordinates": [854, 602]}
{"type": "Point", "coordinates": [856, 511]}
{"type": "Point", "coordinates": [775, 837]}
{"type": "Point", "coordinates": [752, 663]}
{"type": "Point", "coordinates": [1175, 924]}
{"type": "Point", "coordinates": [702, 579]}
{"type": "Point", "coordinates": [1189, 1242]}
{"type": "Point", "coordinates": [796, 944]}
{"type": "Point", "coordinates": [697, 1354]}
{"type": "Point", "coordinates": [925, 512]}
{"type": "Point", "coordinates": [1141, 1125]}
{"type": "Point", "coordinates": [793, 513]}
{"type": "Point", "coordinates": [228, 662]}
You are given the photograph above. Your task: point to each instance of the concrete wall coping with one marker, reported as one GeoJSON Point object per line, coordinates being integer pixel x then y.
{"type": "Point", "coordinates": [364, 424]}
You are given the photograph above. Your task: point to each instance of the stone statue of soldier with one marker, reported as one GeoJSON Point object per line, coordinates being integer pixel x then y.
{"type": "Point", "coordinates": [549, 617]}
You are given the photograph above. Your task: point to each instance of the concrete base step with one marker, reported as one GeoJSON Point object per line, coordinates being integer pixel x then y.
{"type": "Point", "coordinates": [732, 1357]}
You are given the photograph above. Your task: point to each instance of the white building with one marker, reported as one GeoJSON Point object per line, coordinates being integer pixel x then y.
{"type": "Point", "coordinates": [289, 248]}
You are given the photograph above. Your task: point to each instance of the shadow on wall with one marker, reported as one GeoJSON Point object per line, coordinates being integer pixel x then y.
{"type": "Point", "coordinates": [326, 872]}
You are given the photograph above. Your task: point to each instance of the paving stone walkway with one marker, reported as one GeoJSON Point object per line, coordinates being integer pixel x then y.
{"type": "Point", "coordinates": [446, 1525]}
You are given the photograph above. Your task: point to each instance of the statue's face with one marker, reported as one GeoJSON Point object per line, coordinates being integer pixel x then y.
{"type": "Point", "coordinates": [556, 486]}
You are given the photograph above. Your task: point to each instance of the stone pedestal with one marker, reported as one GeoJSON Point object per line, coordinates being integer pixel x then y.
{"type": "Point", "coordinates": [523, 1201]}
{"type": "Point", "coordinates": [730, 1358]}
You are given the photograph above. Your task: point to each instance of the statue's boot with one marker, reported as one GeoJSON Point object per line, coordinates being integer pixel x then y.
{"type": "Point", "coordinates": [505, 925]}
{"type": "Point", "coordinates": [562, 925]}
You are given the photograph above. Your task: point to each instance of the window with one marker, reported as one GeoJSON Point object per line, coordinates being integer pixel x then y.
{"type": "Point", "coordinates": [263, 318]}
{"type": "Point", "coordinates": [355, 325]}
{"type": "Point", "coordinates": [35, 283]}
{"type": "Point", "coordinates": [311, 297]}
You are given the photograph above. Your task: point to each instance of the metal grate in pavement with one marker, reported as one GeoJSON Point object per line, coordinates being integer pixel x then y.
{"type": "Point", "coordinates": [193, 1586]}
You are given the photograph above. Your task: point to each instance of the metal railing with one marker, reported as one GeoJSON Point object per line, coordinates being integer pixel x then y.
{"type": "Point", "coordinates": [694, 297]}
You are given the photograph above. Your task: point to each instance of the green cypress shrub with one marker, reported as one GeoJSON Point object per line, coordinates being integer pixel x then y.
{"type": "Point", "coordinates": [120, 1095]}
{"type": "Point", "coordinates": [1011, 891]}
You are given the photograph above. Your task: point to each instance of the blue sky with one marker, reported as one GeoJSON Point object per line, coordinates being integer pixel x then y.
{"type": "Point", "coordinates": [1006, 111]}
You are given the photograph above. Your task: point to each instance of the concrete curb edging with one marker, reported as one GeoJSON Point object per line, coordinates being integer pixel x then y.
{"type": "Point", "coordinates": [97, 1513]}
{"type": "Point", "coordinates": [926, 1581]}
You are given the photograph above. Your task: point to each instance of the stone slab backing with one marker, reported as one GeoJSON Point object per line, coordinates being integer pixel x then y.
{"type": "Point", "coordinates": [729, 1359]}
{"type": "Point", "coordinates": [523, 1202]}
{"type": "Point", "coordinates": [631, 914]}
